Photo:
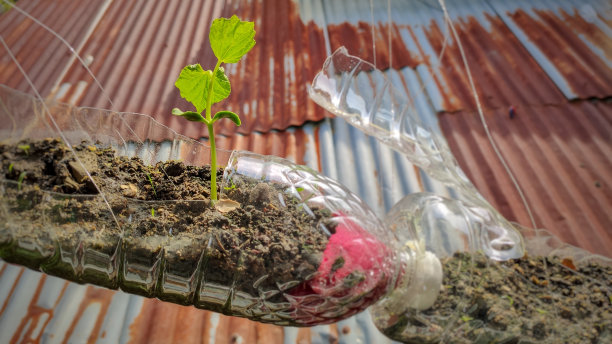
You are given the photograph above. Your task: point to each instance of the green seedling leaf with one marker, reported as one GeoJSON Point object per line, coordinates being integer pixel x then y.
{"type": "Point", "coordinates": [221, 87]}
{"type": "Point", "coordinates": [509, 299]}
{"type": "Point", "coordinates": [151, 181]}
{"type": "Point", "coordinates": [25, 149]}
{"type": "Point", "coordinates": [189, 115]}
{"type": "Point", "coordinates": [466, 318]}
{"type": "Point", "coordinates": [10, 168]}
{"type": "Point", "coordinates": [231, 39]}
{"type": "Point", "coordinates": [152, 212]}
{"type": "Point", "coordinates": [193, 83]}
{"type": "Point", "coordinates": [227, 114]}
{"type": "Point", "coordinates": [20, 180]}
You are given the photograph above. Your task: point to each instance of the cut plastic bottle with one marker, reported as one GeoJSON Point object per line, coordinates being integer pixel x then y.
{"type": "Point", "coordinates": [59, 233]}
{"type": "Point", "coordinates": [432, 231]}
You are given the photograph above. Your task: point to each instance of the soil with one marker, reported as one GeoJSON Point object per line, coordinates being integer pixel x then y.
{"type": "Point", "coordinates": [527, 300]}
{"type": "Point", "coordinates": [163, 237]}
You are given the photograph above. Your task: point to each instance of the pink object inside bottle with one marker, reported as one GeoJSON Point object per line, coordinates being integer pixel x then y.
{"type": "Point", "coordinates": [355, 271]}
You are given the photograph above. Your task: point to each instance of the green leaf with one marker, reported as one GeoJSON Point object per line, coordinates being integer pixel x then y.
{"type": "Point", "coordinates": [227, 114]}
{"type": "Point", "coordinates": [231, 39]}
{"type": "Point", "coordinates": [193, 82]}
{"type": "Point", "coordinates": [189, 115]}
{"type": "Point", "coordinates": [222, 87]}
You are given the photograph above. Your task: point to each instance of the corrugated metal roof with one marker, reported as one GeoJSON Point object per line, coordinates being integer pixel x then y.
{"type": "Point", "coordinates": [521, 52]}
{"type": "Point", "coordinates": [139, 48]}
{"type": "Point", "coordinates": [136, 49]}
{"type": "Point", "coordinates": [562, 158]}
{"type": "Point", "coordinates": [41, 54]}
{"type": "Point", "coordinates": [570, 40]}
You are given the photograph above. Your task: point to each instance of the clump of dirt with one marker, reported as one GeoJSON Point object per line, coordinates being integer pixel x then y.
{"type": "Point", "coordinates": [163, 237]}
{"type": "Point", "coordinates": [527, 300]}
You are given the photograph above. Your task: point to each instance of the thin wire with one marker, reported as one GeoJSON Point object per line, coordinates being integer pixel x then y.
{"type": "Point", "coordinates": [24, 13]}
{"type": "Point", "coordinates": [373, 32]}
{"type": "Point", "coordinates": [389, 34]}
{"type": "Point", "coordinates": [482, 118]}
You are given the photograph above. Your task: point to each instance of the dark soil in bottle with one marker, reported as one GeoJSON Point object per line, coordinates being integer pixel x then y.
{"type": "Point", "coordinates": [155, 231]}
{"type": "Point", "coordinates": [527, 300]}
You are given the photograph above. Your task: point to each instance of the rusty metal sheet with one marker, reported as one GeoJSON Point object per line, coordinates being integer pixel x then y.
{"type": "Point", "coordinates": [520, 52]}
{"type": "Point", "coordinates": [139, 48]}
{"type": "Point", "coordinates": [41, 54]}
{"type": "Point", "coordinates": [562, 158]}
{"type": "Point", "coordinates": [571, 41]}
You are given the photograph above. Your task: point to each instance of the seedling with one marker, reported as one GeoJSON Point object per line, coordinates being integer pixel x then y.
{"type": "Point", "coordinates": [25, 149]}
{"type": "Point", "coordinates": [229, 188]}
{"type": "Point", "coordinates": [230, 39]}
{"type": "Point", "coordinates": [10, 168]}
{"type": "Point", "coordinates": [466, 318]}
{"type": "Point", "coordinates": [509, 299]}
{"type": "Point", "coordinates": [151, 182]}
{"type": "Point", "coordinates": [20, 180]}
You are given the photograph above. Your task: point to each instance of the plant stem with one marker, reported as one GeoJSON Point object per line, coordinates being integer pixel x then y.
{"type": "Point", "coordinates": [211, 137]}
{"type": "Point", "coordinates": [213, 163]}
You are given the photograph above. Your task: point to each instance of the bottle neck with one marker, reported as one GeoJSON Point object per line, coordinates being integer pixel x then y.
{"type": "Point", "coordinates": [417, 285]}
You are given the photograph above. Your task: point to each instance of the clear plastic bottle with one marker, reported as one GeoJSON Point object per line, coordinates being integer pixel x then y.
{"type": "Point", "coordinates": [355, 90]}
{"type": "Point", "coordinates": [98, 238]}
{"type": "Point", "coordinates": [460, 259]}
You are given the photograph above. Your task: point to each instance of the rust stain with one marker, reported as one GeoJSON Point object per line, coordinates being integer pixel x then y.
{"type": "Point", "coordinates": [236, 330]}
{"type": "Point", "coordinates": [33, 314]}
{"type": "Point", "coordinates": [6, 301]}
{"type": "Point", "coordinates": [160, 322]}
{"type": "Point", "coordinates": [92, 295]}
{"type": "Point", "coordinates": [591, 32]}
{"type": "Point", "coordinates": [271, 334]}
{"type": "Point", "coordinates": [29, 323]}
{"type": "Point", "coordinates": [138, 332]}
{"type": "Point", "coordinates": [333, 334]}
{"type": "Point", "coordinates": [504, 72]}
{"type": "Point", "coordinates": [358, 41]}
{"type": "Point", "coordinates": [164, 328]}
{"type": "Point", "coordinates": [586, 73]}
{"type": "Point", "coordinates": [317, 142]}
{"type": "Point", "coordinates": [304, 336]}
{"type": "Point", "coordinates": [556, 153]}
{"type": "Point", "coordinates": [189, 325]}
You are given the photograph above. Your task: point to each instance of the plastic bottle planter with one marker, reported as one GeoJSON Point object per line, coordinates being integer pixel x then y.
{"type": "Point", "coordinates": [335, 260]}
{"type": "Point", "coordinates": [466, 277]}
{"type": "Point", "coordinates": [557, 293]}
